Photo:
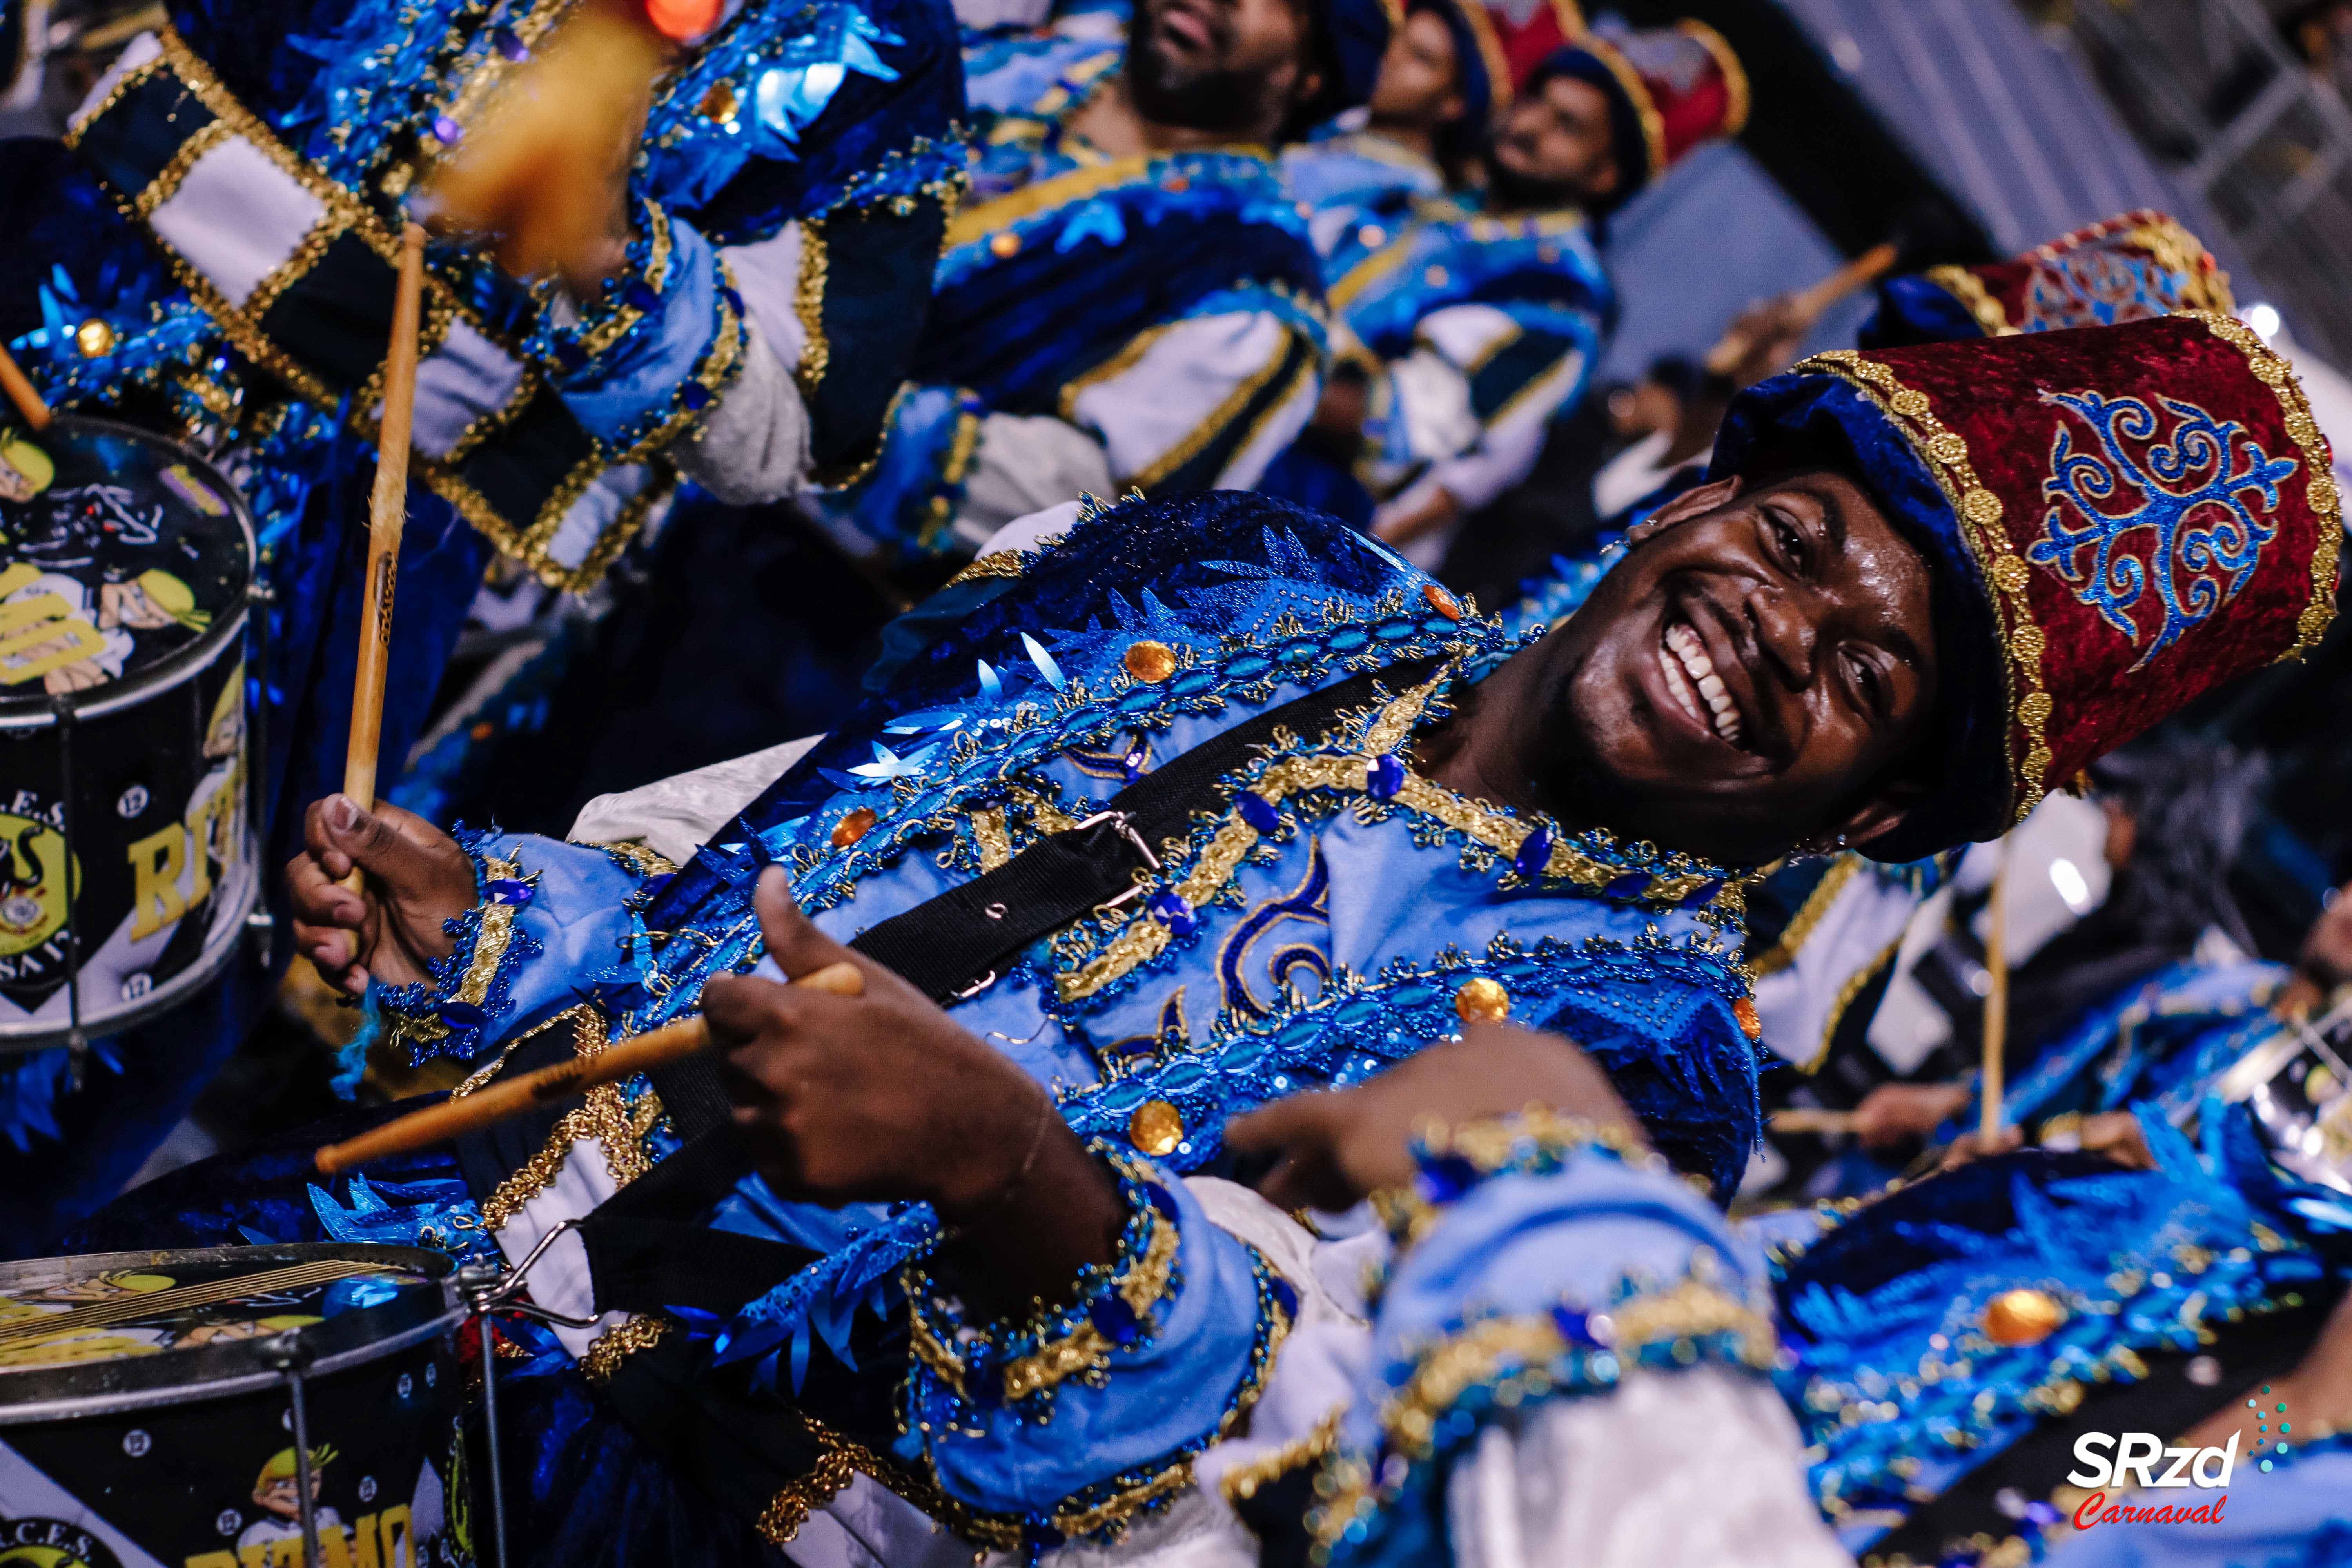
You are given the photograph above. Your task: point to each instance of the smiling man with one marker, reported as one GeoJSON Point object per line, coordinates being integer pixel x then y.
{"type": "Point", "coordinates": [1214, 801]}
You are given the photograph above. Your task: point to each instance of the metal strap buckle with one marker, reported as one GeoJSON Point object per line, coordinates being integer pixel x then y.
{"type": "Point", "coordinates": [1126, 828]}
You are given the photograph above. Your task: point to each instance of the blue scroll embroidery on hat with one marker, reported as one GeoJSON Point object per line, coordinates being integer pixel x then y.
{"type": "Point", "coordinates": [2193, 497]}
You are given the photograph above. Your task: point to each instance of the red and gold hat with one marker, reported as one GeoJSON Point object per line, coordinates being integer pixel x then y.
{"type": "Point", "coordinates": [2119, 520]}
{"type": "Point", "coordinates": [1669, 89]}
{"type": "Point", "coordinates": [1525, 32]}
{"type": "Point", "coordinates": [2128, 269]}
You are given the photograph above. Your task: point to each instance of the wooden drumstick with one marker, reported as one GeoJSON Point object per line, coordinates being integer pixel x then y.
{"type": "Point", "coordinates": [1806, 306]}
{"type": "Point", "coordinates": [387, 512]}
{"type": "Point", "coordinates": [23, 393]}
{"type": "Point", "coordinates": [1990, 1087]}
{"type": "Point", "coordinates": [500, 1101]}
{"type": "Point", "coordinates": [1806, 1119]}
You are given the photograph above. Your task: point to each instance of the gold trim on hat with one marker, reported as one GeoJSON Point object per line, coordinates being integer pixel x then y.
{"type": "Point", "coordinates": [1945, 453]}
{"type": "Point", "coordinates": [1962, 284]}
{"type": "Point", "coordinates": [1734, 75]}
{"type": "Point", "coordinates": [1490, 49]}
{"type": "Point", "coordinates": [1637, 92]}
{"type": "Point", "coordinates": [2272, 370]}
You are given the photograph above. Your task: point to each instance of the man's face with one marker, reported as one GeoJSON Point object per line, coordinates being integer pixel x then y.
{"type": "Point", "coordinates": [1225, 65]}
{"type": "Point", "coordinates": [1749, 678]}
{"type": "Point", "coordinates": [1557, 143]}
{"type": "Point", "coordinates": [1417, 83]}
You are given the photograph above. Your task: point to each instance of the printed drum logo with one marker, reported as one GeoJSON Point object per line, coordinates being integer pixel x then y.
{"type": "Point", "coordinates": [51, 1544]}
{"type": "Point", "coordinates": [2155, 533]}
{"type": "Point", "coordinates": [32, 885]}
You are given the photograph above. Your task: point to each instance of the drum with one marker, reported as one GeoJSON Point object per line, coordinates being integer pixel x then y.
{"type": "Point", "coordinates": [151, 1402]}
{"type": "Point", "coordinates": [127, 855]}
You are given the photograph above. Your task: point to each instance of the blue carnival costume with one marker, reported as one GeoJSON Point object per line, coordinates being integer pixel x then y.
{"type": "Point", "coordinates": [212, 251]}
{"type": "Point", "coordinates": [1329, 911]}
{"type": "Point", "coordinates": [1099, 324]}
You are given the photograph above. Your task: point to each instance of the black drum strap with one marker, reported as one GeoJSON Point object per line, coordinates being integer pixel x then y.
{"type": "Point", "coordinates": [947, 945]}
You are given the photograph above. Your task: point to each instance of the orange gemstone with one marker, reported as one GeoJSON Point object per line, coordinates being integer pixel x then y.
{"type": "Point", "coordinates": [1482, 1001]}
{"type": "Point", "coordinates": [1150, 661]}
{"type": "Point", "coordinates": [719, 104]}
{"type": "Point", "coordinates": [2022, 1317]}
{"type": "Point", "coordinates": [1751, 1025]}
{"type": "Point", "coordinates": [1004, 243]}
{"type": "Point", "coordinates": [1156, 1128]}
{"type": "Point", "coordinates": [853, 827]}
{"type": "Point", "coordinates": [1443, 603]}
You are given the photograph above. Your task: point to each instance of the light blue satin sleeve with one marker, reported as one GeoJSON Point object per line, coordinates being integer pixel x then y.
{"type": "Point", "coordinates": [677, 352]}
{"type": "Point", "coordinates": [553, 917]}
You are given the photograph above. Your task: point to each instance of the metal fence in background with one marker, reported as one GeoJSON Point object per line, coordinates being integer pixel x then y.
{"type": "Point", "coordinates": [2218, 94]}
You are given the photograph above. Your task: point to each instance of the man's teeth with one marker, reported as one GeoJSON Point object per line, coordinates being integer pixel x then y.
{"type": "Point", "coordinates": [1691, 676]}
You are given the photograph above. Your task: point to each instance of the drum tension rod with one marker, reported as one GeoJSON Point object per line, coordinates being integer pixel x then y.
{"type": "Point", "coordinates": [292, 1356]}
{"type": "Point", "coordinates": [490, 1290]}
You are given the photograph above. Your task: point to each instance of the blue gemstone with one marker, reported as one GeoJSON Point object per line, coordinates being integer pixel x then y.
{"type": "Point", "coordinates": [504, 891]}
{"type": "Point", "coordinates": [1445, 1178]}
{"type": "Point", "coordinates": [1162, 1199]}
{"type": "Point", "coordinates": [446, 131]}
{"type": "Point", "coordinates": [1285, 1297]}
{"type": "Point", "coordinates": [696, 395]}
{"type": "Point", "coordinates": [510, 44]}
{"type": "Point", "coordinates": [1171, 910]}
{"type": "Point", "coordinates": [463, 1016]}
{"type": "Point", "coordinates": [1259, 812]}
{"type": "Point", "coordinates": [1631, 885]}
{"type": "Point", "coordinates": [1571, 1325]}
{"type": "Point", "coordinates": [1702, 895]}
{"type": "Point", "coordinates": [1387, 777]}
{"type": "Point", "coordinates": [1114, 1319]}
{"type": "Point", "coordinates": [638, 295]}
{"type": "Point", "coordinates": [1534, 853]}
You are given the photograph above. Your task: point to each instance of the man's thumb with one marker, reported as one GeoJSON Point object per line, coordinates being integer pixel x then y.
{"type": "Point", "coordinates": [792, 939]}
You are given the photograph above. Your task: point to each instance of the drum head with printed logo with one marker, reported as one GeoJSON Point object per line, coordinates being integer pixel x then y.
{"type": "Point", "coordinates": [146, 1416]}
{"type": "Point", "coordinates": [121, 554]}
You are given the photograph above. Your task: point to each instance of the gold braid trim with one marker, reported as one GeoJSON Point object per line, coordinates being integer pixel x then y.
{"type": "Point", "coordinates": [1968, 289]}
{"type": "Point", "coordinates": [996, 564]}
{"type": "Point", "coordinates": [808, 304]}
{"type": "Point", "coordinates": [605, 1115]}
{"type": "Point", "coordinates": [490, 1069]}
{"type": "Point", "coordinates": [1783, 953]}
{"type": "Point", "coordinates": [164, 185]}
{"type": "Point", "coordinates": [1242, 1482]}
{"type": "Point", "coordinates": [1855, 983]}
{"type": "Point", "coordinates": [789, 1507]}
{"type": "Point", "coordinates": [617, 1344]}
{"type": "Point", "coordinates": [2318, 469]}
{"type": "Point", "coordinates": [1945, 452]}
{"type": "Point", "coordinates": [1084, 1349]}
{"type": "Point", "coordinates": [1347, 772]}
{"type": "Point", "coordinates": [490, 941]}
{"type": "Point", "coordinates": [1737, 96]}
{"type": "Point", "coordinates": [2203, 285]}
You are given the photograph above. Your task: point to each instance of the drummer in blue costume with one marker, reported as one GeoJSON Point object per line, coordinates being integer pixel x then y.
{"type": "Point", "coordinates": [1477, 318]}
{"type": "Point", "coordinates": [1932, 1333]}
{"type": "Point", "coordinates": [1343, 895]}
{"type": "Point", "coordinates": [1128, 300]}
{"type": "Point", "coordinates": [209, 251]}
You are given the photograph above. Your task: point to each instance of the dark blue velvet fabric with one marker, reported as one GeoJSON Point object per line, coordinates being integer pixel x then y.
{"type": "Point", "coordinates": [1798, 421]}
{"type": "Point", "coordinates": [1303, 473]}
{"type": "Point", "coordinates": [1911, 309]}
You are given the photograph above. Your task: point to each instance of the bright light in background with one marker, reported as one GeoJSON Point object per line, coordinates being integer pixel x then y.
{"type": "Point", "coordinates": [2067, 878]}
{"type": "Point", "coordinates": [2264, 319]}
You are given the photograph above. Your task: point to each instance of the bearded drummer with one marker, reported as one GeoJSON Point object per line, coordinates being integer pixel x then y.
{"type": "Point", "coordinates": [1857, 632]}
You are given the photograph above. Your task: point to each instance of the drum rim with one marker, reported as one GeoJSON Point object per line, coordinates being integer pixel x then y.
{"type": "Point", "coordinates": [37, 710]}
{"type": "Point", "coordinates": [348, 1340]}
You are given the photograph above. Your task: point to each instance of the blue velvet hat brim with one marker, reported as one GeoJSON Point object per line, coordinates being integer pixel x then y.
{"type": "Point", "coordinates": [1467, 134]}
{"type": "Point", "coordinates": [1354, 35]}
{"type": "Point", "coordinates": [1802, 421]}
{"type": "Point", "coordinates": [1911, 310]}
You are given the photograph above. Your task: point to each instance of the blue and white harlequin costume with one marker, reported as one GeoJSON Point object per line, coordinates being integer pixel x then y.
{"type": "Point", "coordinates": [1098, 325]}
{"type": "Point", "coordinates": [211, 254]}
{"type": "Point", "coordinates": [1324, 920]}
